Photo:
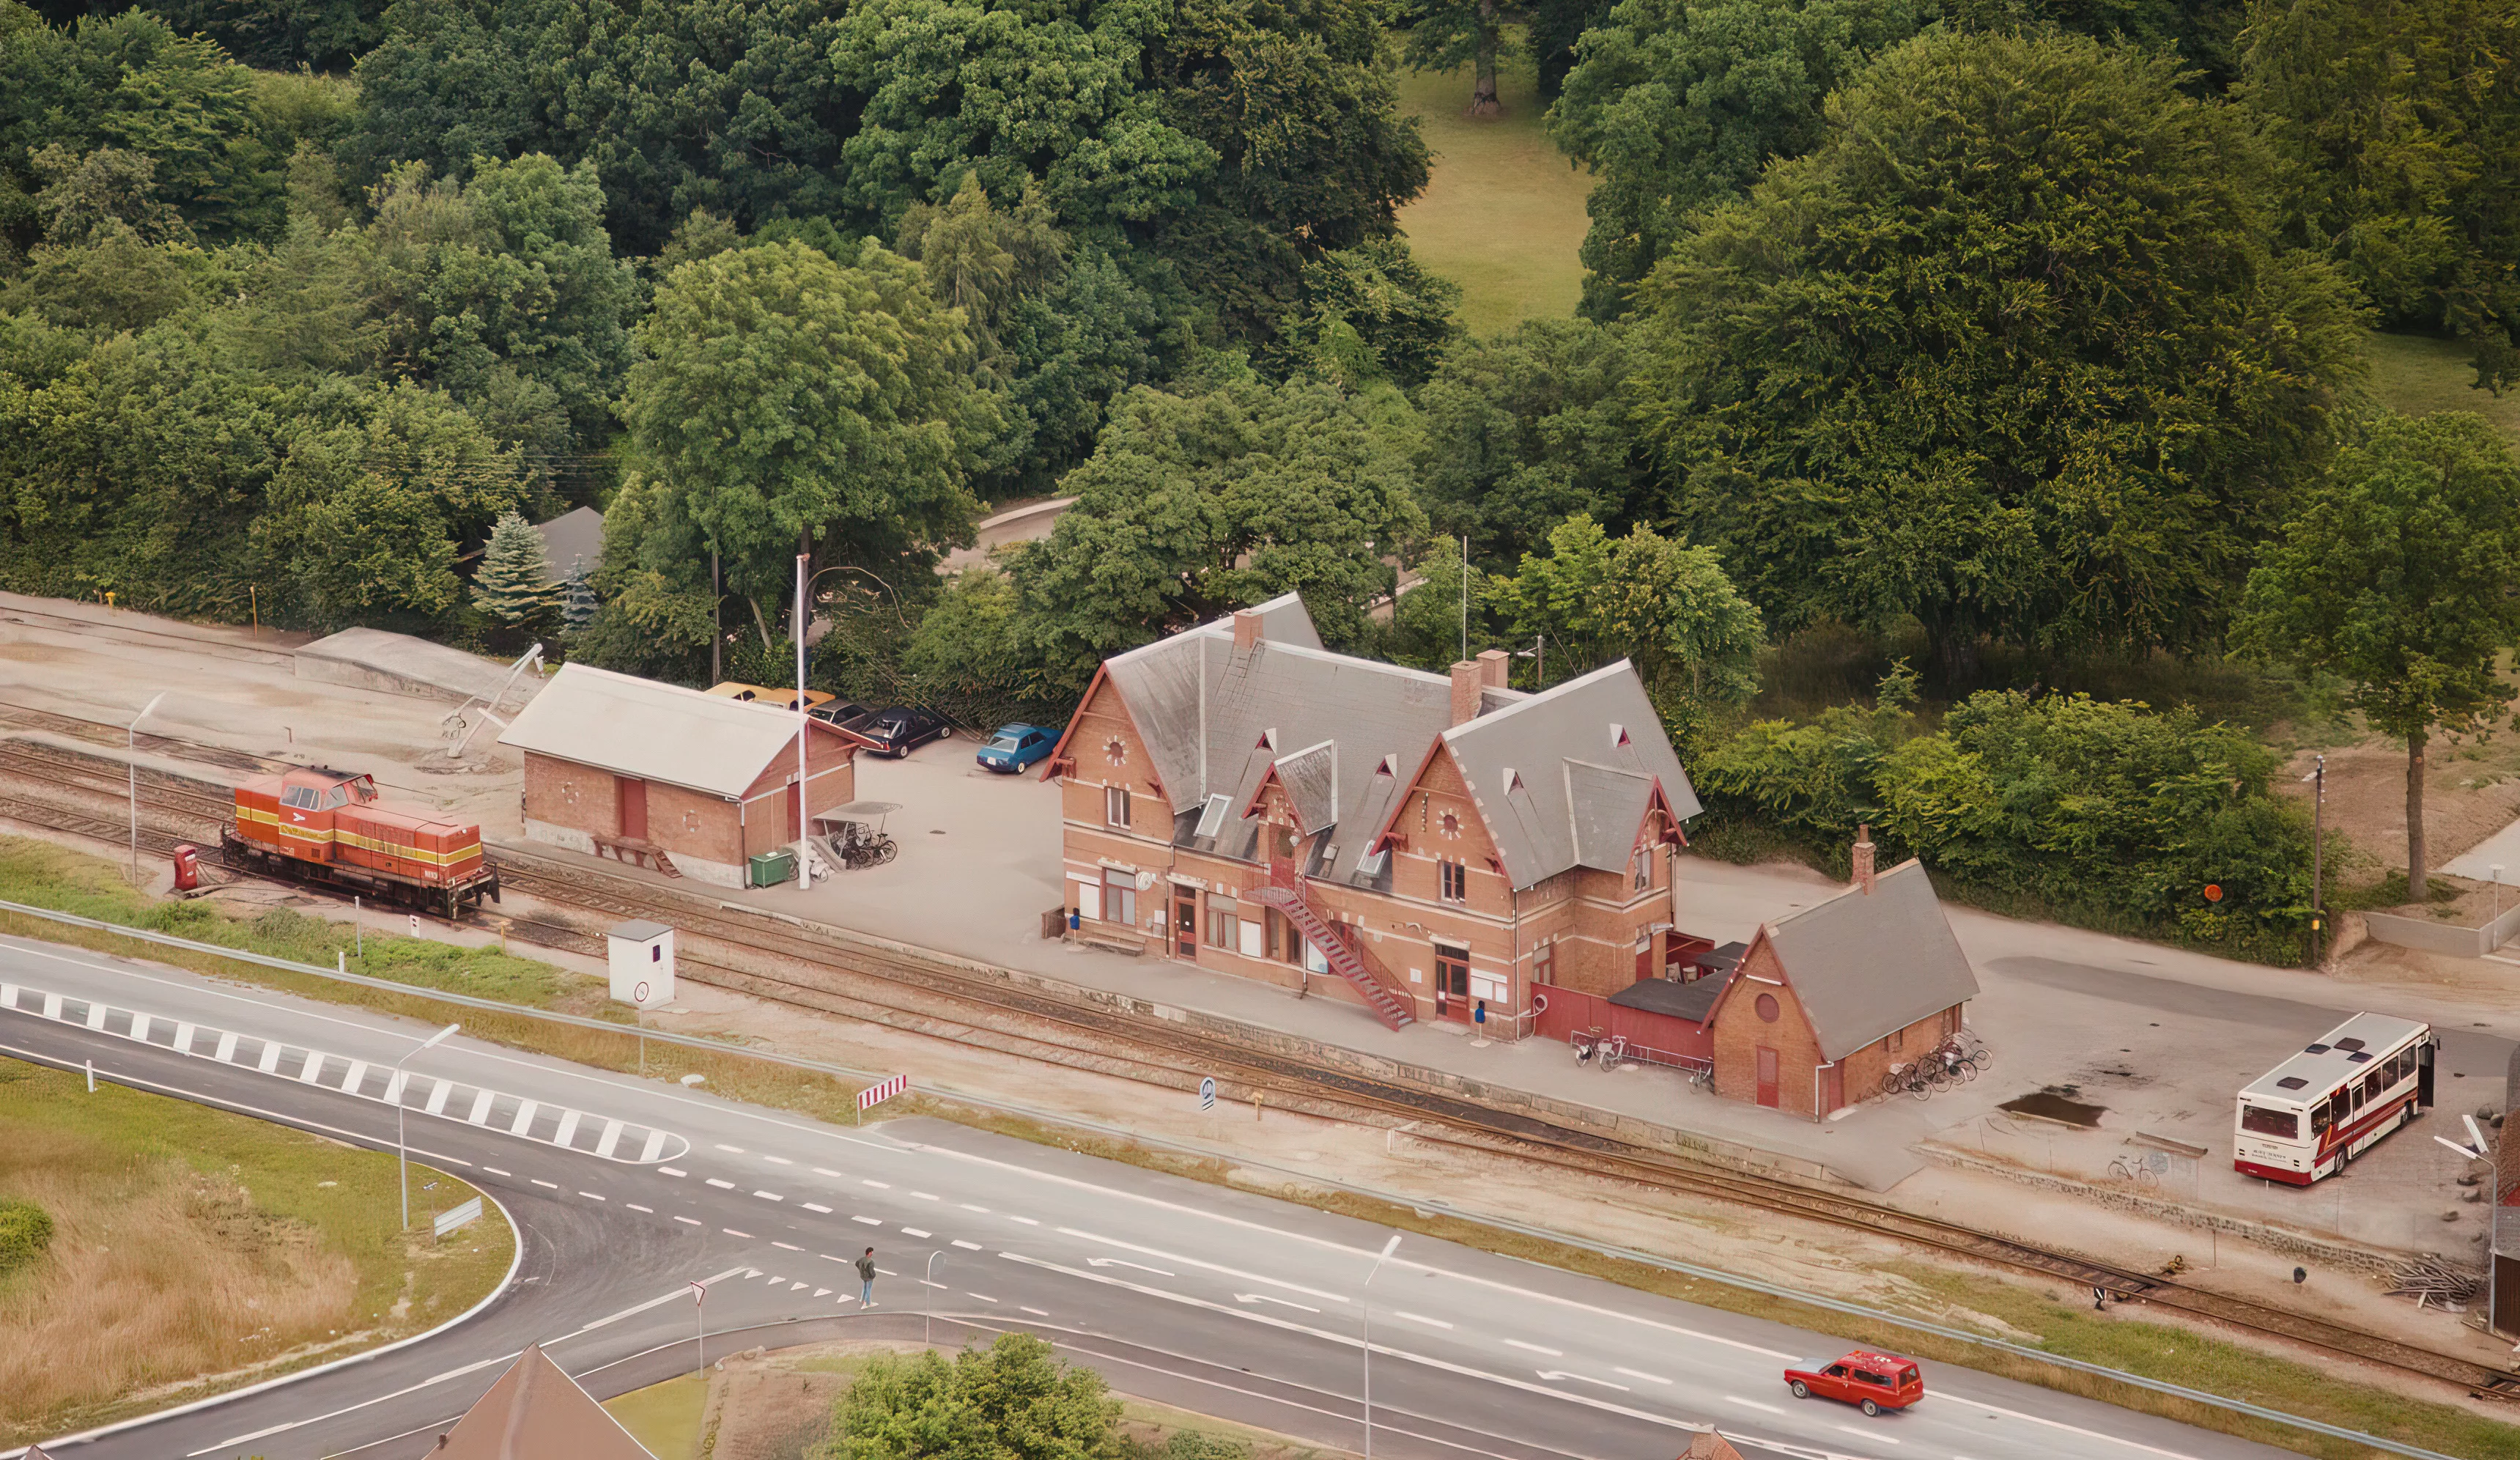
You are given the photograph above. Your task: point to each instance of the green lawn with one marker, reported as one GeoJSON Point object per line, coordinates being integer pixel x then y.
{"type": "Point", "coordinates": [1503, 214]}
{"type": "Point", "coordinates": [2416, 373]}
{"type": "Point", "coordinates": [665, 1416]}
{"type": "Point", "coordinates": [190, 1243]}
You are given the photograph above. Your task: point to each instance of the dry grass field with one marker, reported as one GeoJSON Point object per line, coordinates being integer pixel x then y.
{"type": "Point", "coordinates": [1503, 214]}
{"type": "Point", "coordinates": [194, 1250]}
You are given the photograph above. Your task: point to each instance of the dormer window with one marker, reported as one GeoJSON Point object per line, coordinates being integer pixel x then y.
{"type": "Point", "coordinates": [1212, 817]}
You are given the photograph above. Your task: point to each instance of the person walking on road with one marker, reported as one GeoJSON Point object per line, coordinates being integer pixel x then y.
{"type": "Point", "coordinates": [866, 1279]}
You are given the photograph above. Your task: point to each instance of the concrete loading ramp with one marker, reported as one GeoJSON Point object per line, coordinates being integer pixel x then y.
{"type": "Point", "coordinates": [400, 664]}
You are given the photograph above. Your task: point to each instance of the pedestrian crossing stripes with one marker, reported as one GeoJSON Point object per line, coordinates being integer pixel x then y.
{"type": "Point", "coordinates": [606, 1137]}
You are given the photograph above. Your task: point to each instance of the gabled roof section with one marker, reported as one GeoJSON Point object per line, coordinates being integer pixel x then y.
{"type": "Point", "coordinates": [1862, 965]}
{"type": "Point", "coordinates": [659, 732]}
{"type": "Point", "coordinates": [536, 1411]}
{"type": "Point", "coordinates": [1590, 758]}
{"type": "Point", "coordinates": [1311, 777]}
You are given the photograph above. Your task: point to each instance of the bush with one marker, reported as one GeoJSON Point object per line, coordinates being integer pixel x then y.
{"type": "Point", "coordinates": [1012, 1401]}
{"type": "Point", "coordinates": [2108, 814]}
{"type": "Point", "coordinates": [26, 1234]}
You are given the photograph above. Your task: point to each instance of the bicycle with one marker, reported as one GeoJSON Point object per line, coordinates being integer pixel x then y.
{"type": "Point", "coordinates": [2133, 1172]}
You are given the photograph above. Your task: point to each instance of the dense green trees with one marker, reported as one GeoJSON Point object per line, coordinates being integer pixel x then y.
{"type": "Point", "coordinates": [2395, 574]}
{"type": "Point", "coordinates": [1529, 427]}
{"type": "Point", "coordinates": [1012, 1401]}
{"type": "Point", "coordinates": [2011, 351]}
{"type": "Point", "coordinates": [1679, 104]}
{"type": "Point", "coordinates": [2398, 122]}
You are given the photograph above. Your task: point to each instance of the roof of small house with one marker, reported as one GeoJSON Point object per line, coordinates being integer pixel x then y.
{"type": "Point", "coordinates": [1345, 735]}
{"type": "Point", "coordinates": [659, 732]}
{"type": "Point", "coordinates": [1692, 1000]}
{"type": "Point", "coordinates": [536, 1410]}
{"type": "Point", "coordinates": [1865, 963]}
{"type": "Point", "coordinates": [573, 539]}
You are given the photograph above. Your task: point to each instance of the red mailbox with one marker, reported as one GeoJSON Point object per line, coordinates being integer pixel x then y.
{"type": "Point", "coordinates": [188, 867]}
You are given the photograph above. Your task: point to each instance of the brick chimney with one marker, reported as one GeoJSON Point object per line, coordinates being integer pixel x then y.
{"type": "Point", "coordinates": [1492, 663]}
{"type": "Point", "coordinates": [1466, 685]}
{"type": "Point", "coordinates": [1246, 629]}
{"type": "Point", "coordinates": [1864, 857]}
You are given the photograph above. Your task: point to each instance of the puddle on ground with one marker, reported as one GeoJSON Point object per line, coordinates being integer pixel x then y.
{"type": "Point", "coordinates": [2051, 1104]}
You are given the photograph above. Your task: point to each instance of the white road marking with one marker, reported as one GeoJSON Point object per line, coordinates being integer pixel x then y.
{"type": "Point", "coordinates": [673, 1170]}
{"type": "Point", "coordinates": [1536, 1348]}
{"type": "Point", "coordinates": [1026, 1220]}
{"type": "Point", "coordinates": [778, 1161]}
{"type": "Point", "coordinates": [590, 1195]}
{"type": "Point", "coordinates": [1232, 1272]}
{"type": "Point", "coordinates": [539, 1181]}
{"type": "Point", "coordinates": [822, 1292]}
{"type": "Point", "coordinates": [930, 1283]}
{"type": "Point", "coordinates": [1562, 1375]}
{"type": "Point", "coordinates": [878, 1185]}
{"type": "Point", "coordinates": [1248, 1315]}
{"type": "Point", "coordinates": [974, 1245]}
{"type": "Point", "coordinates": [732, 1232]}
{"type": "Point", "coordinates": [721, 1185]}
{"type": "Point", "coordinates": [2074, 1429]}
{"type": "Point", "coordinates": [1125, 1262]}
{"type": "Point", "coordinates": [826, 1172]}
{"type": "Point", "coordinates": [732, 1150]}
{"type": "Point", "coordinates": [1752, 1404]}
{"type": "Point", "coordinates": [789, 1245]}
{"type": "Point", "coordinates": [687, 1220]}
{"type": "Point", "coordinates": [917, 1232]}
{"type": "Point", "coordinates": [796, 1287]}
{"type": "Point", "coordinates": [1421, 1318]}
{"type": "Point", "coordinates": [983, 1297]}
{"type": "Point", "coordinates": [635, 1207]}
{"type": "Point", "coordinates": [983, 1210]}
{"type": "Point", "coordinates": [871, 1222]}
{"type": "Point", "coordinates": [1036, 1312]}
{"type": "Point", "coordinates": [816, 1207]}
{"type": "Point", "coordinates": [495, 1171]}
{"type": "Point", "coordinates": [1265, 1297]}
{"type": "Point", "coordinates": [1872, 1436]}
{"type": "Point", "coordinates": [1640, 1374]}
{"type": "Point", "coordinates": [770, 1196]}
{"type": "Point", "coordinates": [927, 1196]}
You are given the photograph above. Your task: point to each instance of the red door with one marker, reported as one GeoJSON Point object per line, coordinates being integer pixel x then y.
{"type": "Point", "coordinates": [1767, 1077]}
{"type": "Point", "coordinates": [1453, 984]}
{"type": "Point", "coordinates": [630, 793]}
{"type": "Point", "coordinates": [795, 809]}
{"type": "Point", "coordinates": [1186, 923]}
{"type": "Point", "coordinates": [1832, 1089]}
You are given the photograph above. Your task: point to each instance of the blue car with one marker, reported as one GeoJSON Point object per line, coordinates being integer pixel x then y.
{"type": "Point", "coordinates": [1015, 746]}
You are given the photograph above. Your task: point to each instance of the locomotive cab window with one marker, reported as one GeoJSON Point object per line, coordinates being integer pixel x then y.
{"type": "Point", "coordinates": [300, 797]}
{"type": "Point", "coordinates": [336, 797]}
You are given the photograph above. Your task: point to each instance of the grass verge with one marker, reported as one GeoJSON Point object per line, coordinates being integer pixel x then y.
{"type": "Point", "coordinates": [33, 872]}
{"type": "Point", "coordinates": [195, 1250]}
{"type": "Point", "coordinates": [1503, 214]}
{"type": "Point", "coordinates": [2416, 373]}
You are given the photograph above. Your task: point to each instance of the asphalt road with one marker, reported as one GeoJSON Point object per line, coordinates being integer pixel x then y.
{"type": "Point", "coordinates": [628, 1191]}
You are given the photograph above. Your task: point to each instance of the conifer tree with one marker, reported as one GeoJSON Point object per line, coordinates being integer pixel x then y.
{"type": "Point", "coordinates": [576, 600]}
{"type": "Point", "coordinates": [515, 584]}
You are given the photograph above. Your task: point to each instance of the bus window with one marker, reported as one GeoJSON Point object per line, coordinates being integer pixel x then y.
{"type": "Point", "coordinates": [2319, 1119]}
{"type": "Point", "coordinates": [2355, 1090]}
{"type": "Point", "coordinates": [2259, 1120]}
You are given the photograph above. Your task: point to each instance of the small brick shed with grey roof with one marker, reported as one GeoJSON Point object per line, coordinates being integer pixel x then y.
{"type": "Point", "coordinates": [645, 771]}
{"type": "Point", "coordinates": [1828, 1000]}
{"type": "Point", "coordinates": [1238, 796]}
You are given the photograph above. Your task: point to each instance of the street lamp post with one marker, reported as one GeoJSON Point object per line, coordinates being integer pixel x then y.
{"type": "Point", "coordinates": [131, 764]}
{"type": "Point", "coordinates": [402, 1151]}
{"type": "Point", "coordinates": [1367, 1298]}
{"type": "Point", "coordinates": [928, 1323]}
{"type": "Point", "coordinates": [804, 786]}
{"type": "Point", "coordinates": [2318, 778]}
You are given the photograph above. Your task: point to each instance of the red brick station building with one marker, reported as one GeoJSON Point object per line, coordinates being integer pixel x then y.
{"type": "Point", "coordinates": [1442, 847]}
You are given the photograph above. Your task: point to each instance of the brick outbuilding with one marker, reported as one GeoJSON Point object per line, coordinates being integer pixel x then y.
{"type": "Point", "coordinates": [631, 768]}
{"type": "Point", "coordinates": [1828, 1000]}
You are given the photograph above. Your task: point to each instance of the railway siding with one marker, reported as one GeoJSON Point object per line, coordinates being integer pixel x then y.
{"type": "Point", "coordinates": [822, 968]}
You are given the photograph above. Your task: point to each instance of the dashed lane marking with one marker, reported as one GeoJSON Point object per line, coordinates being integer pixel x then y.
{"type": "Point", "coordinates": [968, 1207]}
{"type": "Point", "coordinates": [1866, 1434]}
{"type": "Point", "coordinates": [871, 1222]}
{"type": "Point", "coordinates": [721, 1185]}
{"type": "Point", "coordinates": [635, 1207]}
{"type": "Point", "coordinates": [789, 1245]}
{"type": "Point", "coordinates": [770, 1196]}
{"type": "Point", "coordinates": [778, 1161]}
{"type": "Point", "coordinates": [878, 1185]}
{"type": "Point", "coordinates": [816, 1207]}
{"type": "Point", "coordinates": [1536, 1348]}
{"type": "Point", "coordinates": [1036, 1312]}
{"type": "Point", "coordinates": [1635, 1374]}
{"type": "Point", "coordinates": [1751, 1404]}
{"type": "Point", "coordinates": [1429, 1322]}
{"type": "Point", "coordinates": [825, 1172]}
{"type": "Point", "coordinates": [673, 1170]}
{"type": "Point", "coordinates": [590, 1195]}
{"type": "Point", "coordinates": [974, 1245]}
{"type": "Point", "coordinates": [539, 1181]}
{"type": "Point", "coordinates": [732, 1150]}
{"type": "Point", "coordinates": [982, 1297]}
{"type": "Point", "coordinates": [732, 1232]}
{"type": "Point", "coordinates": [917, 1232]}
{"type": "Point", "coordinates": [688, 1221]}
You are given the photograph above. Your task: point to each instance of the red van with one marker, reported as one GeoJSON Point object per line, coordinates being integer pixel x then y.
{"type": "Point", "coordinates": [1872, 1382]}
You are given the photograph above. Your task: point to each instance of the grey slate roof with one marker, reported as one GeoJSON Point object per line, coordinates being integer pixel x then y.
{"type": "Point", "coordinates": [1692, 1001]}
{"type": "Point", "coordinates": [1347, 735]}
{"type": "Point", "coordinates": [572, 539]}
{"type": "Point", "coordinates": [656, 732]}
{"type": "Point", "coordinates": [1557, 788]}
{"type": "Point", "coordinates": [1865, 965]}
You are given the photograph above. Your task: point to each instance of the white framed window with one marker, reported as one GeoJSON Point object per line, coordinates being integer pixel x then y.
{"type": "Point", "coordinates": [1212, 817]}
{"type": "Point", "coordinates": [1116, 806]}
{"type": "Point", "coordinates": [1120, 896]}
{"type": "Point", "coordinates": [1454, 880]}
{"type": "Point", "coordinates": [1641, 868]}
{"type": "Point", "coordinates": [1254, 933]}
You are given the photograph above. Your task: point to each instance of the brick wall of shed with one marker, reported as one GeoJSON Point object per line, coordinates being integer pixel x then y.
{"type": "Point", "coordinates": [566, 796]}
{"type": "Point", "coordinates": [1739, 1034]}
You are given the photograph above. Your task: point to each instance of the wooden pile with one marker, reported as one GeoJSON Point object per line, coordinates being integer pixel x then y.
{"type": "Point", "coordinates": [2431, 1280]}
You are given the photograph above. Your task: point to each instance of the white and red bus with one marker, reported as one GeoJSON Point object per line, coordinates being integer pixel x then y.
{"type": "Point", "coordinates": [2310, 1114]}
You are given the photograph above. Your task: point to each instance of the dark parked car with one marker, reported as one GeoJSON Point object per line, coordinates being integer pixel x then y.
{"type": "Point", "coordinates": [845, 713]}
{"type": "Point", "coordinates": [1016, 747]}
{"type": "Point", "coordinates": [900, 730]}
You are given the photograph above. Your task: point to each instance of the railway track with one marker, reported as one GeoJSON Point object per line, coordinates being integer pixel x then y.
{"type": "Point", "coordinates": [837, 976]}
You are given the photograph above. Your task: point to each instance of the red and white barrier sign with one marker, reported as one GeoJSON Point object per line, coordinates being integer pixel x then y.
{"type": "Point", "coordinates": [877, 1094]}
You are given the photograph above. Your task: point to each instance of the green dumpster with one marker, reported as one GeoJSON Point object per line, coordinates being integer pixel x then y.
{"type": "Point", "coordinates": [771, 868]}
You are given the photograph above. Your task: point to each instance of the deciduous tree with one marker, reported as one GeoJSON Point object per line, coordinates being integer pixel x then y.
{"type": "Point", "coordinates": [2396, 575]}
{"type": "Point", "coordinates": [1012, 1401]}
{"type": "Point", "coordinates": [2011, 350]}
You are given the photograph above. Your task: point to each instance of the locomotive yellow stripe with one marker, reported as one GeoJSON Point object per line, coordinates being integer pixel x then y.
{"type": "Point", "coordinates": [332, 836]}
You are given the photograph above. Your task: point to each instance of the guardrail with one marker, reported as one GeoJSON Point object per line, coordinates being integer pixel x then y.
{"type": "Point", "coordinates": [1419, 1202]}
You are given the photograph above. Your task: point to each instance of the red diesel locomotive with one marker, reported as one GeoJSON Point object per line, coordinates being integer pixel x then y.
{"type": "Point", "coordinates": [328, 827]}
